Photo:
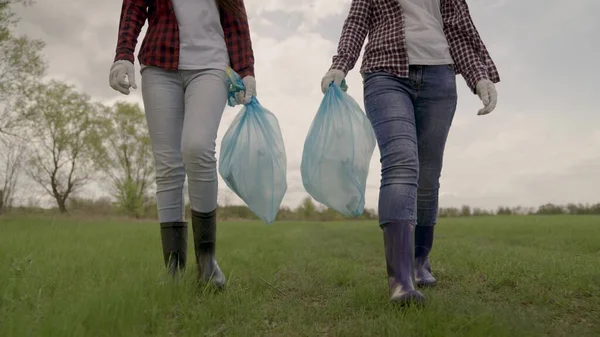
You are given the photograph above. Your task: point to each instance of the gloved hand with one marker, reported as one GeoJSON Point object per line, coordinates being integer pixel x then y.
{"type": "Point", "coordinates": [242, 97]}
{"type": "Point", "coordinates": [334, 75]}
{"type": "Point", "coordinates": [122, 76]}
{"type": "Point", "coordinates": [486, 90]}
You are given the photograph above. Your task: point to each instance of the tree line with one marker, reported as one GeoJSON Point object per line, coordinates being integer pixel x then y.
{"type": "Point", "coordinates": [61, 139]}
{"type": "Point", "coordinates": [307, 210]}
{"type": "Point", "coordinates": [546, 209]}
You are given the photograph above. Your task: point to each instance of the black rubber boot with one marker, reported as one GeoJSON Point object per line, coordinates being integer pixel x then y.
{"type": "Point", "coordinates": [174, 237]}
{"type": "Point", "coordinates": [423, 244]}
{"type": "Point", "coordinates": [398, 239]}
{"type": "Point", "coordinates": [205, 234]}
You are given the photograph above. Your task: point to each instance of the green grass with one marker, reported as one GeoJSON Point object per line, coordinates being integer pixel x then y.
{"type": "Point", "coordinates": [498, 276]}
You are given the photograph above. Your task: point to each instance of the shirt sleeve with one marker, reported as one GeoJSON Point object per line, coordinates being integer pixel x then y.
{"type": "Point", "coordinates": [133, 16]}
{"type": "Point", "coordinates": [355, 30]}
{"type": "Point", "coordinates": [468, 51]}
{"type": "Point", "coordinates": [238, 41]}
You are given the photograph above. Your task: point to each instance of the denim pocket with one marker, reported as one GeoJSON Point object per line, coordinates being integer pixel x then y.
{"type": "Point", "coordinates": [369, 77]}
{"type": "Point", "coordinates": [374, 82]}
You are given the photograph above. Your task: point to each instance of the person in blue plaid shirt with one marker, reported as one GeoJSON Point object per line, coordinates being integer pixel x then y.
{"type": "Point", "coordinates": [414, 52]}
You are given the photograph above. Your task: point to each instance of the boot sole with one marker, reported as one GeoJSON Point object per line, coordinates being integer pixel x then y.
{"type": "Point", "coordinates": [408, 299]}
{"type": "Point", "coordinates": [426, 284]}
{"type": "Point", "coordinates": [210, 283]}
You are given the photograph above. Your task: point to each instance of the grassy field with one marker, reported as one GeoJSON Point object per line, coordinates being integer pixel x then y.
{"type": "Point", "coordinates": [498, 276]}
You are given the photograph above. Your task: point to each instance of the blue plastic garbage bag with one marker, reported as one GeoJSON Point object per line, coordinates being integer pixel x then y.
{"type": "Point", "coordinates": [252, 157]}
{"type": "Point", "coordinates": [337, 153]}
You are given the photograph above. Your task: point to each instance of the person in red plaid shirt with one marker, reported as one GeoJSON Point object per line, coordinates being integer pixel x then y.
{"type": "Point", "coordinates": [415, 50]}
{"type": "Point", "coordinates": [187, 48]}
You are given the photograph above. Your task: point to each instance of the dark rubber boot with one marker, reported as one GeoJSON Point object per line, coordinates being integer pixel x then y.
{"type": "Point", "coordinates": [205, 233]}
{"type": "Point", "coordinates": [174, 237]}
{"type": "Point", "coordinates": [398, 239]}
{"type": "Point", "coordinates": [423, 244]}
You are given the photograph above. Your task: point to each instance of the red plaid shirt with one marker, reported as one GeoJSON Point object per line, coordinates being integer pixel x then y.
{"type": "Point", "coordinates": [160, 47]}
{"type": "Point", "coordinates": [383, 22]}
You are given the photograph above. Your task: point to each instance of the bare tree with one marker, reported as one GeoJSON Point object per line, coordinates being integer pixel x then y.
{"type": "Point", "coordinates": [129, 161]}
{"type": "Point", "coordinates": [11, 154]}
{"type": "Point", "coordinates": [65, 134]}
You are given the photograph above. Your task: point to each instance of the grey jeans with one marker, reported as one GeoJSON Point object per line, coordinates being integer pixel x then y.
{"type": "Point", "coordinates": [183, 112]}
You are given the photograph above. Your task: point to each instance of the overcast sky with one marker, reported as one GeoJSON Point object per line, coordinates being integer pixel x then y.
{"type": "Point", "coordinates": [541, 144]}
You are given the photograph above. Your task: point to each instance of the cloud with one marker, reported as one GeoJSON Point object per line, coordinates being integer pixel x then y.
{"type": "Point", "coordinates": [539, 145]}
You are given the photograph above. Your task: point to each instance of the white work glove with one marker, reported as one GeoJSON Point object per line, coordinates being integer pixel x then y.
{"type": "Point", "coordinates": [244, 97]}
{"type": "Point", "coordinates": [486, 90]}
{"type": "Point", "coordinates": [332, 76]}
{"type": "Point", "coordinates": [122, 76]}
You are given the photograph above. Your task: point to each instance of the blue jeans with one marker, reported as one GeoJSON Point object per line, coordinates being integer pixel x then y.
{"type": "Point", "coordinates": [411, 118]}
